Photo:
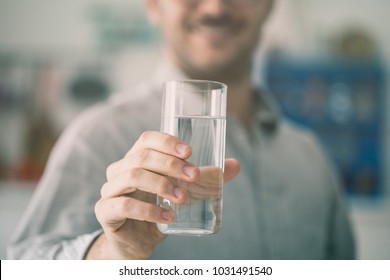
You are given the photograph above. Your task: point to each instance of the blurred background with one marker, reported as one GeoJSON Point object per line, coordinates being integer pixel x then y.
{"type": "Point", "coordinates": [326, 62]}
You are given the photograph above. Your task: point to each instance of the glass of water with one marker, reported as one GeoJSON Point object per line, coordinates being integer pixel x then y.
{"type": "Point", "coordinates": [195, 112]}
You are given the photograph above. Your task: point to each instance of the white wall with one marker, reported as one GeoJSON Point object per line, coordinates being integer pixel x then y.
{"type": "Point", "coordinates": [53, 25]}
{"type": "Point", "coordinates": [304, 27]}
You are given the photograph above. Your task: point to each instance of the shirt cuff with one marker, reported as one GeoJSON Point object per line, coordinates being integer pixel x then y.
{"type": "Point", "coordinates": [86, 242]}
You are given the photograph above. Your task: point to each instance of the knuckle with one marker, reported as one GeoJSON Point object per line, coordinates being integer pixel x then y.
{"type": "Point", "coordinates": [97, 206]}
{"type": "Point", "coordinates": [143, 156]}
{"type": "Point", "coordinates": [127, 163]}
{"type": "Point", "coordinates": [163, 185]}
{"type": "Point", "coordinates": [144, 136]}
{"type": "Point", "coordinates": [98, 210]}
{"type": "Point", "coordinates": [125, 204]}
{"type": "Point", "coordinates": [133, 173]}
{"type": "Point", "coordinates": [167, 141]}
{"type": "Point", "coordinates": [103, 190]}
{"type": "Point", "coordinates": [171, 163]}
{"type": "Point", "coordinates": [147, 211]}
{"type": "Point", "coordinates": [109, 171]}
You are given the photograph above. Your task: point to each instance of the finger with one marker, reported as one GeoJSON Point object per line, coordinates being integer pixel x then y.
{"type": "Point", "coordinates": [154, 140]}
{"type": "Point", "coordinates": [113, 213]}
{"type": "Point", "coordinates": [156, 162]}
{"type": "Point", "coordinates": [209, 183]}
{"type": "Point", "coordinates": [164, 143]}
{"type": "Point", "coordinates": [232, 168]}
{"type": "Point", "coordinates": [204, 191]}
{"type": "Point", "coordinates": [144, 180]}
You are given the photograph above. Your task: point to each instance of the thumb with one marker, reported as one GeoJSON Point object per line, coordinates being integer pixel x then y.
{"type": "Point", "coordinates": [232, 168]}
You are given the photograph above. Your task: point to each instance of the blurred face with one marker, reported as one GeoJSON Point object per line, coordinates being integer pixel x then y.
{"type": "Point", "coordinates": [207, 37]}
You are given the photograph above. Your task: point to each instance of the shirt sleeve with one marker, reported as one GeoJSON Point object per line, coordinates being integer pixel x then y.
{"type": "Point", "coordinates": [53, 247]}
{"type": "Point", "coordinates": [59, 222]}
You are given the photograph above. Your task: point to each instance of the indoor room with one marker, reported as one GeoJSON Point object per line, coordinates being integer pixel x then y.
{"type": "Point", "coordinates": [325, 63]}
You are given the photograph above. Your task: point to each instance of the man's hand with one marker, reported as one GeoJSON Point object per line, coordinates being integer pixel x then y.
{"type": "Point", "coordinates": [127, 209]}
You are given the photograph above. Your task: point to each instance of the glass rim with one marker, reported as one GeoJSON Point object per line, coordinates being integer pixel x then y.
{"type": "Point", "coordinates": [216, 85]}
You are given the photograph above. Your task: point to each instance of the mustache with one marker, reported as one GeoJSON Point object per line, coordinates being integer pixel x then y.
{"type": "Point", "coordinates": [215, 21]}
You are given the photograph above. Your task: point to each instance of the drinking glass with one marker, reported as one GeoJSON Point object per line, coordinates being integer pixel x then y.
{"type": "Point", "coordinates": [195, 112]}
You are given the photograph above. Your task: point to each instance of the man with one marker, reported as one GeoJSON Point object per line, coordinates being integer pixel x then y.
{"type": "Point", "coordinates": [285, 203]}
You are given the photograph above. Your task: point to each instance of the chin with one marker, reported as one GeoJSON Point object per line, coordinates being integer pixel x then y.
{"type": "Point", "coordinates": [214, 61]}
{"type": "Point", "coordinates": [210, 64]}
{"type": "Point", "coordinates": [209, 71]}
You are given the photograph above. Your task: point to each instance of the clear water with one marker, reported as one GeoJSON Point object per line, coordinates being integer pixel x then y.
{"type": "Point", "coordinates": [201, 214]}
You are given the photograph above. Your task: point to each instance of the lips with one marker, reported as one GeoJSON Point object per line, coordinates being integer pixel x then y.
{"type": "Point", "coordinates": [216, 31]}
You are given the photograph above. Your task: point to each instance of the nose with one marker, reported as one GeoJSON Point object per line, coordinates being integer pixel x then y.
{"type": "Point", "coordinates": [214, 7]}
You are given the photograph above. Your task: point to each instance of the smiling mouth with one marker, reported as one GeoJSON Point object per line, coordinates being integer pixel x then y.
{"type": "Point", "coordinates": [215, 31]}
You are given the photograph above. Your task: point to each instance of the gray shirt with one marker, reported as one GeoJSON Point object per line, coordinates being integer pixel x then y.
{"type": "Point", "coordinates": [286, 203]}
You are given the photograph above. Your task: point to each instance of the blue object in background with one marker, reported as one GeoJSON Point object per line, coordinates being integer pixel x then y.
{"type": "Point", "coordinates": [342, 101]}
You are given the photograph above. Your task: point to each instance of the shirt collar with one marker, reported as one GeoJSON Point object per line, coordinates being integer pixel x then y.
{"type": "Point", "coordinates": [166, 71]}
{"type": "Point", "coordinates": [268, 113]}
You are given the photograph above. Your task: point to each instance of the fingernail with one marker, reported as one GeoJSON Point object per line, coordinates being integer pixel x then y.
{"type": "Point", "coordinates": [189, 170]}
{"type": "Point", "coordinates": [178, 192]}
{"type": "Point", "coordinates": [166, 215]}
{"type": "Point", "coordinates": [181, 148]}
